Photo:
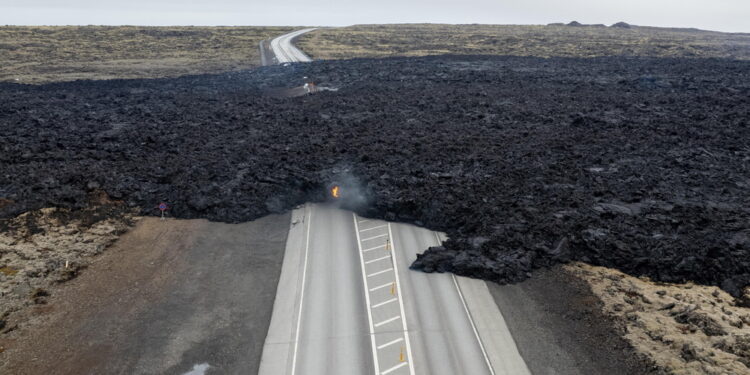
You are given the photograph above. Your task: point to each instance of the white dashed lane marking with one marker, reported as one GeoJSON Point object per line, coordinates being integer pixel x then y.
{"type": "Point", "coordinates": [385, 303]}
{"type": "Point", "coordinates": [373, 228]}
{"type": "Point", "coordinates": [379, 259]}
{"type": "Point", "coordinates": [394, 368]}
{"type": "Point", "coordinates": [380, 272]}
{"type": "Point", "coordinates": [375, 237]}
{"type": "Point", "coordinates": [382, 286]}
{"type": "Point", "coordinates": [374, 248]}
{"type": "Point", "coordinates": [396, 341]}
{"type": "Point", "coordinates": [387, 321]}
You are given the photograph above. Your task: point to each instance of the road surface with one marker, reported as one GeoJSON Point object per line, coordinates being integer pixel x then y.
{"type": "Point", "coordinates": [285, 51]}
{"type": "Point", "coordinates": [348, 304]}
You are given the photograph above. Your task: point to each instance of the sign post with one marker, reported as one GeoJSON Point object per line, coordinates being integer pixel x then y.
{"type": "Point", "coordinates": [162, 208]}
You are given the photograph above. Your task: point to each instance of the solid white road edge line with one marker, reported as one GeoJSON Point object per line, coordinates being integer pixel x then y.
{"type": "Point", "coordinates": [302, 293]}
{"type": "Point", "coordinates": [473, 326]}
{"type": "Point", "coordinates": [367, 297]}
{"type": "Point", "coordinates": [400, 301]}
{"type": "Point", "coordinates": [471, 320]}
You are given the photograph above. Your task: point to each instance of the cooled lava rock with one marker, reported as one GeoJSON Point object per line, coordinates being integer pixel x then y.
{"type": "Point", "coordinates": [635, 163]}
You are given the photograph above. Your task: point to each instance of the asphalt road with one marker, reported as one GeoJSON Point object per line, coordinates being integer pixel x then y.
{"type": "Point", "coordinates": [348, 304]}
{"type": "Point", "coordinates": [285, 51]}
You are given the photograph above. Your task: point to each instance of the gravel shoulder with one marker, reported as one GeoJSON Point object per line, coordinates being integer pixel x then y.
{"type": "Point", "coordinates": [167, 296]}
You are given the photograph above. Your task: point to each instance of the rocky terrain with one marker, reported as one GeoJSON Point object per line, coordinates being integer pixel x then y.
{"type": "Point", "coordinates": [682, 328]}
{"type": "Point", "coordinates": [635, 163]}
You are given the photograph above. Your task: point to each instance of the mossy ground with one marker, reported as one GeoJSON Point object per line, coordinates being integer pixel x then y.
{"type": "Point", "coordinates": [67, 53]}
{"type": "Point", "coordinates": [520, 40]}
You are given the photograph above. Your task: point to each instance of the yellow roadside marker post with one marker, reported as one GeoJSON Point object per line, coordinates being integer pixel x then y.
{"type": "Point", "coordinates": [387, 244]}
{"type": "Point", "coordinates": [401, 356]}
{"type": "Point", "coordinates": [393, 289]}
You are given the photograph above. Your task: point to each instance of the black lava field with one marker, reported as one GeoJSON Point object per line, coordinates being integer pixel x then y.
{"type": "Point", "coordinates": [634, 163]}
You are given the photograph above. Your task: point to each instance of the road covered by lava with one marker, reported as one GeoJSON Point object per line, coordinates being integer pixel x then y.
{"type": "Point", "coordinates": [635, 163]}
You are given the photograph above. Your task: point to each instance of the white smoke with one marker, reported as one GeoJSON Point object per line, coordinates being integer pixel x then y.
{"type": "Point", "coordinates": [353, 195]}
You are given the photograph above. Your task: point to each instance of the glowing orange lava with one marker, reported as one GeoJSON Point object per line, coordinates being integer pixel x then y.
{"type": "Point", "coordinates": [335, 191]}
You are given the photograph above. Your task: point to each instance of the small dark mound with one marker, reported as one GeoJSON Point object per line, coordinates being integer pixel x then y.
{"type": "Point", "coordinates": [622, 25]}
{"type": "Point", "coordinates": [575, 23]}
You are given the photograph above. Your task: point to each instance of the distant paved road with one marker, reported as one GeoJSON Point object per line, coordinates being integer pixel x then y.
{"type": "Point", "coordinates": [348, 304]}
{"type": "Point", "coordinates": [285, 51]}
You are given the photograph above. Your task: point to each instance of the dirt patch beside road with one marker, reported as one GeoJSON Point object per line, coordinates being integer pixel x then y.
{"type": "Point", "coordinates": [167, 296]}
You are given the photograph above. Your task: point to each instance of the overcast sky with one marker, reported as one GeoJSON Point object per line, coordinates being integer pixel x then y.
{"type": "Point", "coordinates": [721, 15]}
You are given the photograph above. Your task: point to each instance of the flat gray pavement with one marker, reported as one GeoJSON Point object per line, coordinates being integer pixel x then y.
{"type": "Point", "coordinates": [284, 49]}
{"type": "Point", "coordinates": [333, 309]}
{"type": "Point", "coordinates": [348, 304]}
{"type": "Point", "coordinates": [319, 320]}
{"type": "Point", "coordinates": [168, 297]}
